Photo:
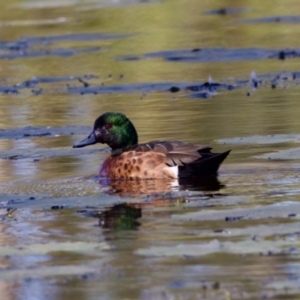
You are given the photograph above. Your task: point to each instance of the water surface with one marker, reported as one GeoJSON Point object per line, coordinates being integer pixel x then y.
{"type": "Point", "coordinates": [180, 70]}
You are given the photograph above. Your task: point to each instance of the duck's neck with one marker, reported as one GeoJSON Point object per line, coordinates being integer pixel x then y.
{"type": "Point", "coordinates": [116, 152]}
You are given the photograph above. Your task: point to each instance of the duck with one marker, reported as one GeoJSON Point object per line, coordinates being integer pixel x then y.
{"type": "Point", "coordinates": [153, 160]}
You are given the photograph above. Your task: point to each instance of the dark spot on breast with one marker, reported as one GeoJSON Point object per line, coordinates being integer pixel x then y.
{"type": "Point", "coordinates": [119, 170]}
{"type": "Point", "coordinates": [125, 166]}
{"type": "Point", "coordinates": [131, 178]}
{"type": "Point", "coordinates": [145, 173]}
{"type": "Point", "coordinates": [140, 161]}
{"type": "Point", "coordinates": [138, 168]}
{"type": "Point", "coordinates": [134, 160]}
{"type": "Point", "coordinates": [129, 154]}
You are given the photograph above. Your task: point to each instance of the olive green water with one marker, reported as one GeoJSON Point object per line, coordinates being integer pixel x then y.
{"type": "Point", "coordinates": [240, 241]}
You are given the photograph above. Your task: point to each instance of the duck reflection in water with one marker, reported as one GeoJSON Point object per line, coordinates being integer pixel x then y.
{"type": "Point", "coordinates": [125, 216]}
{"type": "Point", "coordinates": [156, 186]}
{"type": "Point", "coordinates": [118, 217]}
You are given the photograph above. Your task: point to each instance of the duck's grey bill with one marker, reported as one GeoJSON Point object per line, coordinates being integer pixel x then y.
{"type": "Point", "coordinates": [90, 140]}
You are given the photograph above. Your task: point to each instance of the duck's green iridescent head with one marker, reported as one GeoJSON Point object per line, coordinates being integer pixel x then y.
{"type": "Point", "coordinates": [113, 129]}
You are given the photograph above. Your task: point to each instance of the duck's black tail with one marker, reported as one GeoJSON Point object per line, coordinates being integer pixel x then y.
{"type": "Point", "coordinates": [207, 165]}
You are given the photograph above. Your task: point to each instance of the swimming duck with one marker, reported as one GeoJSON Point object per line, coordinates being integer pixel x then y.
{"type": "Point", "coordinates": [152, 160]}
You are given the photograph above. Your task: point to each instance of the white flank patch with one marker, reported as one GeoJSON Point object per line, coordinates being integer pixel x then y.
{"type": "Point", "coordinates": [175, 183]}
{"type": "Point", "coordinates": [174, 170]}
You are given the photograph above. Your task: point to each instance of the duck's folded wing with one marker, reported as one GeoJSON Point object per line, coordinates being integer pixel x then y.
{"type": "Point", "coordinates": [181, 159]}
{"type": "Point", "coordinates": [186, 153]}
{"type": "Point", "coordinates": [178, 153]}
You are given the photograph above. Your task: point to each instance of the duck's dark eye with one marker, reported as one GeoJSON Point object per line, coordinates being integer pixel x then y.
{"type": "Point", "coordinates": [107, 125]}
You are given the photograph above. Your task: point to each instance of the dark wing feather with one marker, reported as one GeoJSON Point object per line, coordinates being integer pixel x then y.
{"type": "Point", "coordinates": [188, 147]}
{"type": "Point", "coordinates": [178, 153]}
{"type": "Point", "coordinates": [181, 159]}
